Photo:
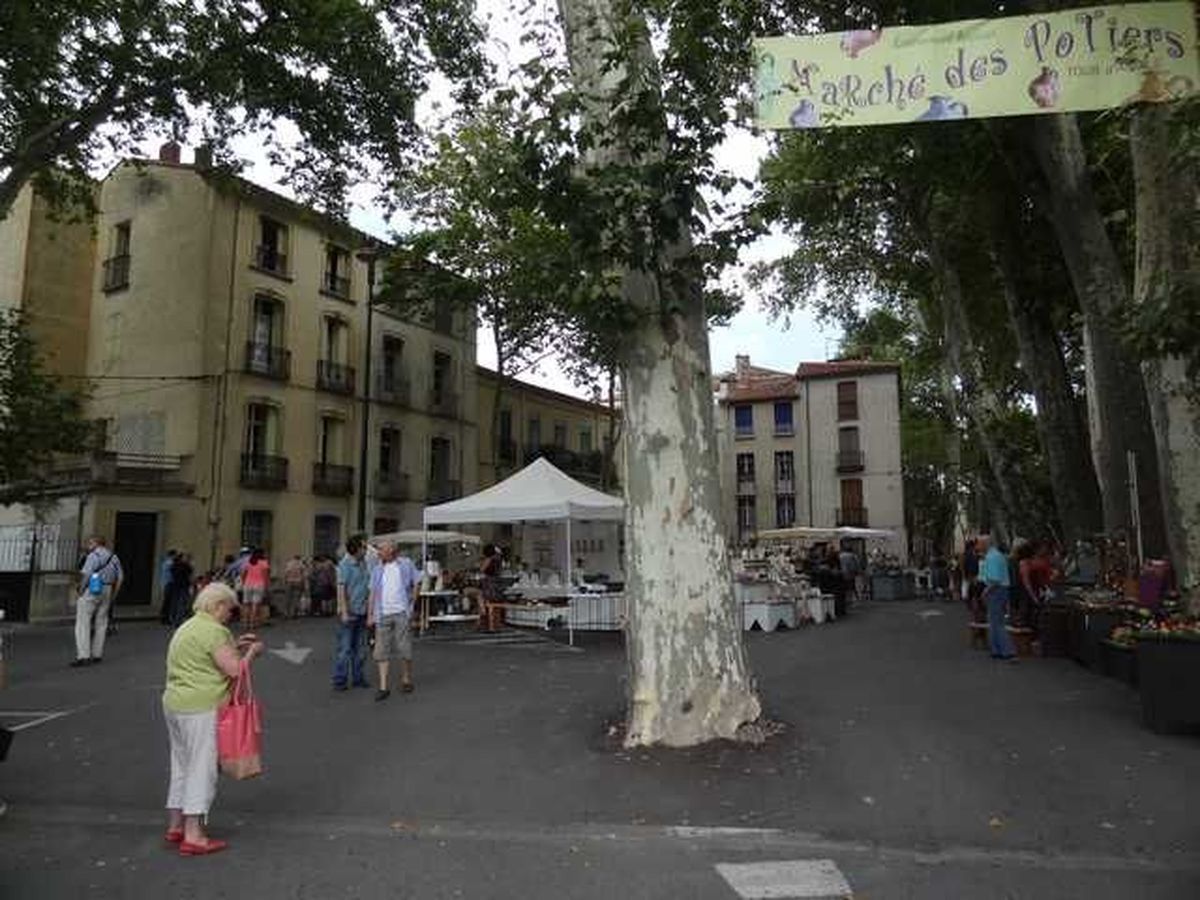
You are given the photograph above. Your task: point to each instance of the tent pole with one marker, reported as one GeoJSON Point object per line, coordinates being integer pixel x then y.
{"type": "Point", "coordinates": [570, 588]}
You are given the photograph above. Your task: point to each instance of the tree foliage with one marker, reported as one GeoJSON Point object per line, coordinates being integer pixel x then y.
{"type": "Point", "coordinates": [39, 415]}
{"type": "Point", "coordinates": [80, 78]}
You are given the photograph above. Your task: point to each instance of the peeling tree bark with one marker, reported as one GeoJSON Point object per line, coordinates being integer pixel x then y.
{"type": "Point", "coordinates": [1168, 266]}
{"type": "Point", "coordinates": [1118, 413]}
{"type": "Point", "coordinates": [689, 677]}
{"type": "Point", "coordinates": [1061, 428]}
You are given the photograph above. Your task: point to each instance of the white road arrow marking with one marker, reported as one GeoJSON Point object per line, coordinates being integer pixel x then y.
{"type": "Point", "coordinates": [930, 613]}
{"type": "Point", "coordinates": [292, 653]}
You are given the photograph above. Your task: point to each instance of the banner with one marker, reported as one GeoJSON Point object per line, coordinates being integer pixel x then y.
{"type": "Point", "coordinates": [1086, 59]}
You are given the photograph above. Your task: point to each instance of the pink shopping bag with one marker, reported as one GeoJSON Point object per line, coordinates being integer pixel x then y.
{"type": "Point", "coordinates": [239, 730]}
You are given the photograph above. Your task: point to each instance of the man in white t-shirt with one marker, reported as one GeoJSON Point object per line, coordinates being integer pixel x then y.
{"type": "Point", "coordinates": [394, 585]}
{"type": "Point", "coordinates": [100, 581]}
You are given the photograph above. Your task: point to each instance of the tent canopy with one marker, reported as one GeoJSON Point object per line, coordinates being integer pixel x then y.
{"type": "Point", "coordinates": [416, 537]}
{"type": "Point", "coordinates": [539, 492]}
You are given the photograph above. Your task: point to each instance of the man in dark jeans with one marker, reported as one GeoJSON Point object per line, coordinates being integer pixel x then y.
{"type": "Point", "coordinates": [353, 590]}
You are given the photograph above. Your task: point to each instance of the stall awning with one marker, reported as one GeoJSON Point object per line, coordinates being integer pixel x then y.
{"type": "Point", "coordinates": [812, 533]}
{"type": "Point", "coordinates": [539, 492]}
{"type": "Point", "coordinates": [416, 537]}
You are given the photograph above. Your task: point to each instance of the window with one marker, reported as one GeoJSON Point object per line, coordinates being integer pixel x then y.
{"type": "Point", "coordinates": [745, 467]}
{"type": "Point", "coordinates": [385, 525]}
{"type": "Point", "coordinates": [505, 444]}
{"type": "Point", "coordinates": [785, 511]}
{"type": "Point", "coordinates": [334, 338]}
{"type": "Point", "coordinates": [535, 434]}
{"type": "Point", "coordinates": [393, 348]}
{"type": "Point", "coordinates": [439, 458]}
{"type": "Point", "coordinates": [116, 267]}
{"type": "Point", "coordinates": [389, 450]}
{"type": "Point", "coordinates": [256, 529]}
{"type": "Point", "coordinates": [850, 455]}
{"type": "Point", "coordinates": [560, 435]}
{"type": "Point", "coordinates": [329, 440]}
{"type": "Point", "coordinates": [783, 417]}
{"type": "Point", "coordinates": [267, 326]}
{"type": "Point", "coordinates": [785, 472]}
{"type": "Point", "coordinates": [261, 430]}
{"type": "Point", "coordinates": [443, 317]}
{"type": "Point", "coordinates": [336, 278]}
{"type": "Point", "coordinates": [327, 534]}
{"type": "Point", "coordinates": [847, 400]}
{"type": "Point", "coordinates": [585, 439]}
{"type": "Point", "coordinates": [746, 515]}
{"type": "Point", "coordinates": [270, 254]}
{"type": "Point", "coordinates": [443, 380]}
{"type": "Point", "coordinates": [743, 420]}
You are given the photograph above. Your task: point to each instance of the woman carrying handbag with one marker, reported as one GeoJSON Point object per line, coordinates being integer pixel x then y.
{"type": "Point", "coordinates": [203, 661]}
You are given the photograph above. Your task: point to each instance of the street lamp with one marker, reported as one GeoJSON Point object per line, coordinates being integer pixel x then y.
{"type": "Point", "coordinates": [369, 254]}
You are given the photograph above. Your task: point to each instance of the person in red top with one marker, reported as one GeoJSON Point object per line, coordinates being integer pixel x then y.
{"type": "Point", "coordinates": [256, 577]}
{"type": "Point", "coordinates": [1037, 573]}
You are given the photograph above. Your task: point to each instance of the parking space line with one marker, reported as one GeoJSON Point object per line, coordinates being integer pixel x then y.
{"type": "Point", "coordinates": [790, 878]}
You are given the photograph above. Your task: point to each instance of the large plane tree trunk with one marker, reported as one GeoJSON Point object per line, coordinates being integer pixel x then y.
{"type": "Point", "coordinates": [1118, 413]}
{"type": "Point", "coordinates": [1062, 430]}
{"type": "Point", "coordinates": [1168, 275]}
{"type": "Point", "coordinates": [689, 677]}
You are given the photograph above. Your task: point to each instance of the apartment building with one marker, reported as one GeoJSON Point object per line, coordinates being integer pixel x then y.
{"type": "Point", "coordinates": [819, 446]}
{"type": "Point", "coordinates": [227, 335]}
{"type": "Point", "coordinates": [532, 421]}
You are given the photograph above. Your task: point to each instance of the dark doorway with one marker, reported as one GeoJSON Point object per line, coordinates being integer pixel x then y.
{"type": "Point", "coordinates": [135, 543]}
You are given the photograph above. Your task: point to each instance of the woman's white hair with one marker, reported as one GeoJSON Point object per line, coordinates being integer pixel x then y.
{"type": "Point", "coordinates": [213, 596]}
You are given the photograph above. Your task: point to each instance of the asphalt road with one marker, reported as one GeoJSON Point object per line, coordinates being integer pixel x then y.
{"type": "Point", "coordinates": [909, 766]}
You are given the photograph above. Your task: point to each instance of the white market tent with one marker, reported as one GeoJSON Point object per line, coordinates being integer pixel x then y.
{"type": "Point", "coordinates": [539, 492]}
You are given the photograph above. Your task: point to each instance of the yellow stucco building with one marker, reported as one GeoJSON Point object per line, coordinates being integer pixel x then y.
{"type": "Point", "coordinates": [224, 331]}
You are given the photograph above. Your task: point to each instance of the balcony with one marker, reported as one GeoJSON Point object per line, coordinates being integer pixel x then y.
{"type": "Point", "coordinates": [443, 489]}
{"type": "Point", "coordinates": [393, 389]}
{"type": "Point", "coordinates": [391, 486]}
{"type": "Point", "coordinates": [444, 403]}
{"type": "Point", "coordinates": [116, 273]}
{"type": "Point", "coordinates": [742, 432]}
{"type": "Point", "coordinates": [851, 517]}
{"type": "Point", "coordinates": [784, 429]}
{"type": "Point", "coordinates": [785, 486]}
{"type": "Point", "coordinates": [851, 461]}
{"type": "Point", "coordinates": [746, 487]}
{"type": "Point", "coordinates": [264, 473]}
{"type": "Point", "coordinates": [334, 377]}
{"type": "Point", "coordinates": [149, 473]}
{"type": "Point", "coordinates": [268, 361]}
{"type": "Point", "coordinates": [331, 480]}
{"type": "Point", "coordinates": [335, 285]}
{"type": "Point", "coordinates": [271, 259]}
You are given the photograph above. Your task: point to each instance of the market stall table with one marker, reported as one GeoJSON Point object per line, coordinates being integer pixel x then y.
{"type": "Point", "coordinates": [427, 597]}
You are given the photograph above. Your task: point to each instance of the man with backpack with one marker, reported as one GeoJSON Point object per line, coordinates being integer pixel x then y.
{"type": "Point", "coordinates": [100, 581]}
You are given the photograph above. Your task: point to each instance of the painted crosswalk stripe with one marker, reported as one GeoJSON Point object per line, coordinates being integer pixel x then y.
{"type": "Point", "coordinates": [790, 878]}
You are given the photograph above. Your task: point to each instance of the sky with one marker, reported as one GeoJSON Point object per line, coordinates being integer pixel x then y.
{"type": "Point", "coordinates": [772, 344]}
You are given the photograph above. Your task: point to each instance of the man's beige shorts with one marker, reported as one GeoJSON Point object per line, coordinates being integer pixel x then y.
{"type": "Point", "coordinates": [393, 639]}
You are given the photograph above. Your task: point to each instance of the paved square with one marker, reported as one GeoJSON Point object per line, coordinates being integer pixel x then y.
{"type": "Point", "coordinates": [786, 878]}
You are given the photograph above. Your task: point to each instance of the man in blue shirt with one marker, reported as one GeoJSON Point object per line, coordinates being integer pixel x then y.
{"type": "Point", "coordinates": [353, 592]}
{"type": "Point", "coordinates": [995, 577]}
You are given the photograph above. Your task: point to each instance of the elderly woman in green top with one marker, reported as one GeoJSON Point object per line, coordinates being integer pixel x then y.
{"type": "Point", "coordinates": [202, 661]}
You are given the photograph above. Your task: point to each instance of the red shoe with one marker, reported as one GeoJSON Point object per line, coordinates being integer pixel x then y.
{"type": "Point", "coordinates": [212, 845]}
{"type": "Point", "coordinates": [174, 836]}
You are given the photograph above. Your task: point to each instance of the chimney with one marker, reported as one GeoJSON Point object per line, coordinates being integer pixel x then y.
{"type": "Point", "coordinates": [741, 366]}
{"type": "Point", "coordinates": [170, 152]}
{"type": "Point", "coordinates": [204, 157]}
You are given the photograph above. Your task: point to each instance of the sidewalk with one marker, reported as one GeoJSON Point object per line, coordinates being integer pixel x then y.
{"type": "Point", "coordinates": [909, 759]}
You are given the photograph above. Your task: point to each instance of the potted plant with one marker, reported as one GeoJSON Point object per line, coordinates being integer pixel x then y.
{"type": "Point", "coordinates": [1118, 655]}
{"type": "Point", "coordinates": [1169, 674]}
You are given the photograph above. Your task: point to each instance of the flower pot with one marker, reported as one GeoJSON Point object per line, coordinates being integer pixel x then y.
{"type": "Point", "coordinates": [1054, 624]}
{"type": "Point", "coordinates": [1119, 661]}
{"type": "Point", "coordinates": [1096, 626]}
{"type": "Point", "coordinates": [1169, 682]}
